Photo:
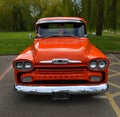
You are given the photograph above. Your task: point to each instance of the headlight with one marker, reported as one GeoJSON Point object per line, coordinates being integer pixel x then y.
{"type": "Point", "coordinates": [27, 65]}
{"type": "Point", "coordinates": [23, 65]}
{"type": "Point", "coordinates": [93, 64]}
{"type": "Point", "coordinates": [98, 64]}
{"type": "Point", "coordinates": [102, 64]}
{"type": "Point", "coordinates": [19, 65]}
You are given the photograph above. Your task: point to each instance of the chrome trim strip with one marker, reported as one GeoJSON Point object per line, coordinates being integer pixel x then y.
{"type": "Point", "coordinates": [70, 89]}
{"type": "Point", "coordinates": [60, 61]}
{"type": "Point", "coordinates": [75, 61]}
{"type": "Point", "coordinates": [54, 61]}
{"type": "Point", "coordinates": [59, 21]}
{"type": "Point", "coordinates": [46, 62]}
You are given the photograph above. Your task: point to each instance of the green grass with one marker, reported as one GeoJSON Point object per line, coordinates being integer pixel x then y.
{"type": "Point", "coordinates": [16, 42]}
{"type": "Point", "coordinates": [107, 42]}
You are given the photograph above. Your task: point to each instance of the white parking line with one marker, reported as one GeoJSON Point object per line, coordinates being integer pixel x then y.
{"type": "Point", "coordinates": [116, 58]}
{"type": "Point", "coordinates": [113, 104]}
{"type": "Point", "coordinates": [5, 72]}
{"type": "Point", "coordinates": [115, 94]}
{"type": "Point", "coordinates": [110, 97]}
{"type": "Point", "coordinates": [100, 97]}
{"type": "Point", "coordinates": [110, 76]}
{"type": "Point", "coordinates": [114, 85]}
{"type": "Point", "coordinates": [114, 71]}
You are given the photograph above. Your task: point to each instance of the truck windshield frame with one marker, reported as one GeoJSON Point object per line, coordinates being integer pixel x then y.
{"type": "Point", "coordinates": [63, 29]}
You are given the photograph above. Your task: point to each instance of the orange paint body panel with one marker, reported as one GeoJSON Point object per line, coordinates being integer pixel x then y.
{"type": "Point", "coordinates": [61, 61]}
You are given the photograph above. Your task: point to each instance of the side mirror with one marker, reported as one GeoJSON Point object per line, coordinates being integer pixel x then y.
{"type": "Point", "coordinates": [93, 34]}
{"type": "Point", "coordinates": [30, 36]}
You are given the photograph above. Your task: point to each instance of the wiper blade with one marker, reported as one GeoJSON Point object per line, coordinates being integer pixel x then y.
{"type": "Point", "coordinates": [52, 36]}
{"type": "Point", "coordinates": [71, 36]}
{"type": "Point", "coordinates": [64, 35]}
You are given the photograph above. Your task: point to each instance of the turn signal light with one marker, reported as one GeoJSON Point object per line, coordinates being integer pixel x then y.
{"type": "Point", "coordinates": [26, 79]}
{"type": "Point", "coordinates": [95, 78]}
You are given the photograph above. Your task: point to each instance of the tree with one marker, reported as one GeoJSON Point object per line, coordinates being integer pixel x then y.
{"type": "Point", "coordinates": [20, 15]}
{"type": "Point", "coordinates": [111, 15]}
{"type": "Point", "coordinates": [15, 17]}
{"type": "Point", "coordinates": [100, 17]}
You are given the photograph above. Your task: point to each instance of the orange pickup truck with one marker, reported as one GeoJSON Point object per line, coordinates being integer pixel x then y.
{"type": "Point", "coordinates": [61, 61]}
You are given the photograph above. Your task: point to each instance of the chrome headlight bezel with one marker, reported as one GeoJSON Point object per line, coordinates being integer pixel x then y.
{"type": "Point", "coordinates": [23, 65]}
{"type": "Point", "coordinates": [98, 64]}
{"type": "Point", "coordinates": [28, 65]}
{"type": "Point", "coordinates": [19, 65]}
{"type": "Point", "coordinates": [93, 64]}
{"type": "Point", "coordinates": [102, 64]}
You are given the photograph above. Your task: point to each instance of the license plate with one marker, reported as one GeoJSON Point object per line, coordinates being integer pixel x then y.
{"type": "Point", "coordinates": [60, 95]}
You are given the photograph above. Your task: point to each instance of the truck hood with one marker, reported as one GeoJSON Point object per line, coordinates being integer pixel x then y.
{"type": "Point", "coordinates": [60, 48]}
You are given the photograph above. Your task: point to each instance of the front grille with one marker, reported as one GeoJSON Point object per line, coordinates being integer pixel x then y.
{"type": "Point", "coordinates": [59, 76]}
{"type": "Point", "coordinates": [57, 82]}
{"type": "Point", "coordinates": [60, 70]}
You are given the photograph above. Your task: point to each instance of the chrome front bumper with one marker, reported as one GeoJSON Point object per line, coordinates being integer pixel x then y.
{"type": "Point", "coordinates": [70, 89]}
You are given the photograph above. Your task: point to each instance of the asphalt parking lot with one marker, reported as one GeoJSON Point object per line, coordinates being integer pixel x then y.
{"type": "Point", "coordinates": [13, 104]}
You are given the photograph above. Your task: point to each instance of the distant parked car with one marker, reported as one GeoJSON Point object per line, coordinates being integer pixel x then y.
{"type": "Point", "coordinates": [61, 61]}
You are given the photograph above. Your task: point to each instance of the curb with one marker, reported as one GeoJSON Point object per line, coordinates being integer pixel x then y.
{"type": "Point", "coordinates": [112, 52]}
{"type": "Point", "coordinates": [9, 54]}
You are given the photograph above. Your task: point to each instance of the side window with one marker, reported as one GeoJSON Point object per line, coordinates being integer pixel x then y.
{"type": "Point", "coordinates": [39, 29]}
{"type": "Point", "coordinates": [81, 30]}
{"type": "Point", "coordinates": [42, 30]}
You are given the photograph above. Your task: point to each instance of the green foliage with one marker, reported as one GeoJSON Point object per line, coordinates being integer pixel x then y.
{"type": "Point", "coordinates": [15, 17]}
{"type": "Point", "coordinates": [21, 15]}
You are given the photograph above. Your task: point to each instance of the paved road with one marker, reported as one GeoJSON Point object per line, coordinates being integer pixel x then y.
{"type": "Point", "coordinates": [17, 105]}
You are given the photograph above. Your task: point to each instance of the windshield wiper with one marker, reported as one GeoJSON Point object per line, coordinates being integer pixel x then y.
{"type": "Point", "coordinates": [53, 36]}
{"type": "Point", "coordinates": [70, 35]}
{"type": "Point", "coordinates": [64, 35]}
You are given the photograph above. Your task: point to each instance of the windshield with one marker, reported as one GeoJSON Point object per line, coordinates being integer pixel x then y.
{"type": "Point", "coordinates": [61, 29]}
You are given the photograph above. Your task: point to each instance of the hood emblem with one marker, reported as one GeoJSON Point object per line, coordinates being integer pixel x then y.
{"type": "Point", "coordinates": [60, 61]}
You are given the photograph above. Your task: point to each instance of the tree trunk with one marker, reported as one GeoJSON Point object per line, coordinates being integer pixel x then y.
{"type": "Point", "coordinates": [100, 17]}
{"type": "Point", "coordinates": [114, 13]}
